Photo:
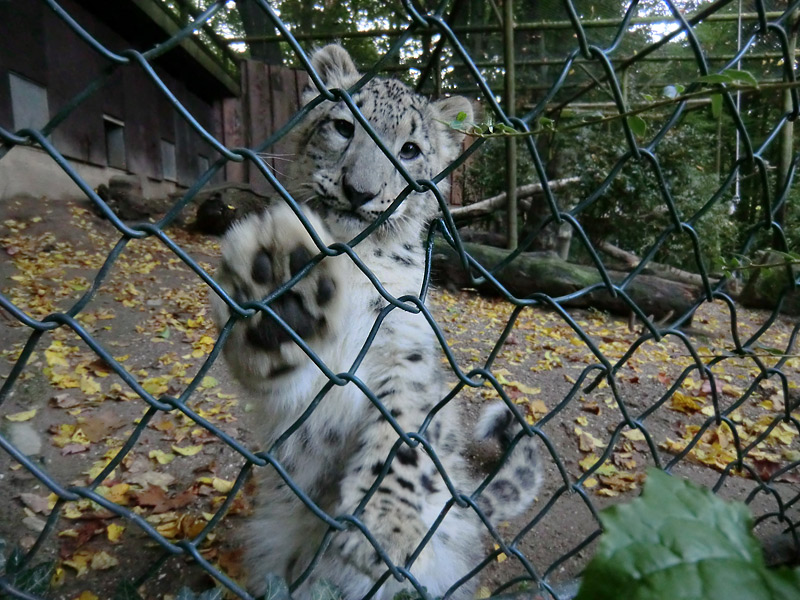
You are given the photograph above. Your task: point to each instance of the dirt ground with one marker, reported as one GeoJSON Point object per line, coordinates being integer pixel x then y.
{"type": "Point", "coordinates": [70, 413]}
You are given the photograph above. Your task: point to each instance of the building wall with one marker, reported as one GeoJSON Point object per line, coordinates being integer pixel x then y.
{"type": "Point", "coordinates": [41, 49]}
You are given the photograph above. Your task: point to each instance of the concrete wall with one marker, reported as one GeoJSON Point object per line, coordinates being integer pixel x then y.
{"type": "Point", "coordinates": [31, 171]}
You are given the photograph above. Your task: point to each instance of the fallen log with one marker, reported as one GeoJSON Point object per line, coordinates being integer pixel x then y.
{"type": "Point", "coordinates": [532, 274]}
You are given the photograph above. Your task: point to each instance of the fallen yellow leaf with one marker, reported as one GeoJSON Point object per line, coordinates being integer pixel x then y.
{"type": "Point", "coordinates": [163, 458]}
{"type": "Point", "coordinates": [187, 450]}
{"type": "Point", "coordinates": [114, 532]}
{"type": "Point", "coordinates": [25, 415]}
{"type": "Point", "coordinates": [103, 561]}
{"type": "Point", "coordinates": [223, 486]}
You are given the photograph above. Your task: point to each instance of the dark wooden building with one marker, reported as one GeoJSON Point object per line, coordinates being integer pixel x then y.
{"type": "Point", "coordinates": [126, 126]}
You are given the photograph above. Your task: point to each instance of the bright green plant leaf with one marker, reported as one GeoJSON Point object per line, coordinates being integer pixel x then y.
{"type": "Point", "coordinates": [679, 540]}
{"type": "Point", "coordinates": [716, 105]}
{"type": "Point", "coordinates": [742, 76]}
{"type": "Point", "coordinates": [546, 123]}
{"type": "Point", "coordinates": [503, 128]}
{"type": "Point", "coordinates": [713, 78]}
{"type": "Point", "coordinates": [638, 125]}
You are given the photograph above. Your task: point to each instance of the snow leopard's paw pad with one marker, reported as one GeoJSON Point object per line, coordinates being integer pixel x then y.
{"type": "Point", "coordinates": [259, 255]}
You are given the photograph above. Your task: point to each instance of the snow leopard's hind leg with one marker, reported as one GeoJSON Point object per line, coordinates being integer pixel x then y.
{"type": "Point", "coordinates": [513, 490]}
{"type": "Point", "coordinates": [259, 254]}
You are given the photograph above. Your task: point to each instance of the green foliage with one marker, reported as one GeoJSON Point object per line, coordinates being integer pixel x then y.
{"type": "Point", "coordinates": [31, 579]}
{"type": "Point", "coordinates": [127, 591]}
{"type": "Point", "coordinates": [323, 590]}
{"type": "Point", "coordinates": [276, 588]}
{"type": "Point", "coordinates": [633, 211]}
{"type": "Point", "coordinates": [679, 540]}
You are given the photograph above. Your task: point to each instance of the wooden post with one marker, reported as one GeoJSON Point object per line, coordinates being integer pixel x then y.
{"type": "Point", "coordinates": [511, 144]}
{"type": "Point", "coordinates": [787, 131]}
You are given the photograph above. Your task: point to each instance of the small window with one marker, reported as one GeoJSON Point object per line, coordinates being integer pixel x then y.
{"type": "Point", "coordinates": [168, 164]}
{"type": "Point", "coordinates": [29, 107]}
{"type": "Point", "coordinates": [115, 142]}
{"type": "Point", "coordinates": [202, 164]}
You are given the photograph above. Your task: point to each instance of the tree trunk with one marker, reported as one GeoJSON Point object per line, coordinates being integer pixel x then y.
{"type": "Point", "coordinates": [536, 274]}
{"type": "Point", "coordinates": [256, 22]}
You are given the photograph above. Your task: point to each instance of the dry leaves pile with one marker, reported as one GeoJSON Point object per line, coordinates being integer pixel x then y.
{"type": "Point", "coordinates": [543, 357]}
{"type": "Point", "coordinates": [151, 315]}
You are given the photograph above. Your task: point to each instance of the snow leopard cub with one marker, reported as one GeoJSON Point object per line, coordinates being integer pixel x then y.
{"type": "Point", "coordinates": [338, 453]}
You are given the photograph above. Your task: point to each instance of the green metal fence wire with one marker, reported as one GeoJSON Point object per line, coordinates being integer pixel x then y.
{"type": "Point", "coordinates": [603, 369]}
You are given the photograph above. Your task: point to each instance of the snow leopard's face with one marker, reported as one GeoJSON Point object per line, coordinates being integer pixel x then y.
{"type": "Point", "coordinates": [346, 174]}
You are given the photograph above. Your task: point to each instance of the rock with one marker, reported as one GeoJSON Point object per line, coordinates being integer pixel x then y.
{"type": "Point", "coordinates": [123, 195]}
{"type": "Point", "coordinates": [221, 206]}
{"type": "Point", "coordinates": [25, 438]}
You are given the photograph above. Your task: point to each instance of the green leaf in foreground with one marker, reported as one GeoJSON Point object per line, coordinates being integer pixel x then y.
{"type": "Point", "coordinates": [680, 541]}
{"type": "Point", "coordinates": [716, 105]}
{"type": "Point", "coordinates": [638, 125]}
{"type": "Point", "coordinates": [324, 590]}
{"type": "Point", "coordinates": [276, 588]}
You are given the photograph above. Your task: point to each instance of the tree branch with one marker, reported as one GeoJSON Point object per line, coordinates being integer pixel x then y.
{"type": "Point", "coordinates": [489, 205]}
{"type": "Point", "coordinates": [661, 270]}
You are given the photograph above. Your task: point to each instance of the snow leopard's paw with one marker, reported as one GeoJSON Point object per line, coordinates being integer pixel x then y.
{"type": "Point", "coordinates": [260, 254]}
{"type": "Point", "coordinates": [514, 487]}
{"type": "Point", "coordinates": [398, 535]}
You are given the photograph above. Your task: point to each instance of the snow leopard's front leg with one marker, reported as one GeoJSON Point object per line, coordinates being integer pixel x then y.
{"type": "Point", "coordinates": [410, 489]}
{"type": "Point", "coordinates": [259, 254]}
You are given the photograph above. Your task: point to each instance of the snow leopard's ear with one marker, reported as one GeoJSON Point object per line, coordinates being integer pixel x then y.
{"type": "Point", "coordinates": [334, 67]}
{"type": "Point", "coordinates": [449, 110]}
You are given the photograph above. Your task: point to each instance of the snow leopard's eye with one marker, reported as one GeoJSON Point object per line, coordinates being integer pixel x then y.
{"type": "Point", "coordinates": [410, 151]}
{"type": "Point", "coordinates": [344, 128]}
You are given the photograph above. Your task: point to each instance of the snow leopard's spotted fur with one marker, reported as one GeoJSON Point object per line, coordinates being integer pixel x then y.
{"type": "Point", "coordinates": [340, 450]}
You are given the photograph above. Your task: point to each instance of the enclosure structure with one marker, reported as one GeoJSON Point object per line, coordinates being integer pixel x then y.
{"type": "Point", "coordinates": [719, 407]}
{"type": "Point", "coordinates": [129, 129]}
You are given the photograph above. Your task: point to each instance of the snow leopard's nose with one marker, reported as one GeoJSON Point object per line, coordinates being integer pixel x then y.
{"type": "Point", "coordinates": [356, 197]}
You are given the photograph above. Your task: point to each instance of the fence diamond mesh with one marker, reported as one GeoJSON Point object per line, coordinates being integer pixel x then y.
{"type": "Point", "coordinates": [720, 406]}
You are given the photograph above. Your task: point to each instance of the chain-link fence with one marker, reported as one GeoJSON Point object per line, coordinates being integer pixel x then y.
{"type": "Point", "coordinates": [728, 397]}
